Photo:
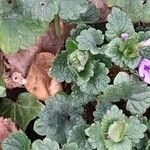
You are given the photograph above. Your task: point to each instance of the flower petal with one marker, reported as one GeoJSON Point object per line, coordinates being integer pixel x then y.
{"type": "Point", "coordinates": [124, 36]}
{"type": "Point", "coordinates": [147, 77]}
{"type": "Point", "coordinates": [147, 43]}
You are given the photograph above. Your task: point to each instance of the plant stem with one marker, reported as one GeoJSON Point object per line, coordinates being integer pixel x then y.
{"type": "Point", "coordinates": [57, 26]}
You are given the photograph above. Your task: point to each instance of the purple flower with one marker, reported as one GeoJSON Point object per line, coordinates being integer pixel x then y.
{"type": "Point", "coordinates": [144, 70]}
{"type": "Point", "coordinates": [147, 43]}
{"type": "Point", "coordinates": [124, 36]}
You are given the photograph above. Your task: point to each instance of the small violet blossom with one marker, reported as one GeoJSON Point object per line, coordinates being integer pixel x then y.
{"type": "Point", "coordinates": [146, 43]}
{"type": "Point", "coordinates": [144, 70]}
{"type": "Point", "coordinates": [124, 36]}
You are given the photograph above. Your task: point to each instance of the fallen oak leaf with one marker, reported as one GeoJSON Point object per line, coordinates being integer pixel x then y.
{"type": "Point", "coordinates": [38, 81]}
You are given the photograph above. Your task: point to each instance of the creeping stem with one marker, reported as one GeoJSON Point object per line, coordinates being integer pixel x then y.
{"type": "Point", "coordinates": [57, 26]}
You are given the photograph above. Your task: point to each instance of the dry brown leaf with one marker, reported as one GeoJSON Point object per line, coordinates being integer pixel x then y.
{"type": "Point", "coordinates": [50, 42]}
{"type": "Point", "coordinates": [18, 63]}
{"type": "Point", "coordinates": [38, 81]}
{"type": "Point", "coordinates": [22, 60]}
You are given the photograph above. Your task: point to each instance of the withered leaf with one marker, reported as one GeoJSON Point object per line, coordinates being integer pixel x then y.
{"type": "Point", "coordinates": [38, 81]}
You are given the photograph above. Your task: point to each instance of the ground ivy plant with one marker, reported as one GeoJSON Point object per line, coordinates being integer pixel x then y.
{"type": "Point", "coordinates": [104, 70]}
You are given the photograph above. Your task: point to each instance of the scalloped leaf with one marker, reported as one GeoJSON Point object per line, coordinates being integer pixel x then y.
{"type": "Point", "coordinates": [71, 45]}
{"type": "Point", "coordinates": [61, 70]}
{"type": "Point", "coordinates": [16, 141]}
{"type": "Point", "coordinates": [78, 136]}
{"type": "Point", "coordinates": [78, 59]}
{"type": "Point", "coordinates": [115, 131]}
{"type": "Point", "coordinates": [135, 92]}
{"type": "Point", "coordinates": [135, 129]}
{"type": "Point", "coordinates": [46, 144]}
{"type": "Point", "coordinates": [124, 53]}
{"type": "Point", "coordinates": [71, 146]}
{"type": "Point", "coordinates": [94, 132]}
{"type": "Point", "coordinates": [80, 98]}
{"type": "Point", "coordinates": [112, 51]}
{"type": "Point", "coordinates": [97, 83]}
{"type": "Point", "coordinates": [58, 117]}
{"type": "Point", "coordinates": [87, 73]}
{"type": "Point", "coordinates": [101, 109]}
{"type": "Point", "coordinates": [136, 10]}
{"type": "Point", "coordinates": [118, 23]}
{"type": "Point", "coordinates": [90, 16]}
{"type": "Point", "coordinates": [90, 39]}
{"type": "Point", "coordinates": [21, 111]}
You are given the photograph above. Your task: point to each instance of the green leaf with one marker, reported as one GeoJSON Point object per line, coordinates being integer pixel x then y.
{"type": "Point", "coordinates": [136, 10]}
{"type": "Point", "coordinates": [103, 58]}
{"type": "Point", "coordinates": [71, 10]}
{"type": "Point", "coordinates": [46, 144]}
{"type": "Point", "coordinates": [97, 83]}
{"type": "Point", "coordinates": [148, 145]}
{"type": "Point", "coordinates": [90, 16]}
{"type": "Point", "coordinates": [135, 129]}
{"type": "Point", "coordinates": [78, 136]}
{"type": "Point", "coordinates": [78, 59]}
{"type": "Point", "coordinates": [121, 77]}
{"type": "Point", "coordinates": [146, 12]}
{"type": "Point", "coordinates": [101, 109]}
{"type": "Point", "coordinates": [124, 144]}
{"type": "Point", "coordinates": [112, 51]}
{"type": "Point", "coordinates": [127, 141]}
{"type": "Point", "coordinates": [61, 70]}
{"type": "Point", "coordinates": [80, 98]}
{"type": "Point", "coordinates": [71, 146]}
{"type": "Point", "coordinates": [2, 87]}
{"type": "Point", "coordinates": [21, 111]}
{"type": "Point", "coordinates": [58, 117]}
{"type": "Point", "coordinates": [42, 10]}
{"type": "Point", "coordinates": [124, 53]}
{"type": "Point", "coordinates": [71, 45]}
{"type": "Point", "coordinates": [135, 92]}
{"type": "Point", "coordinates": [16, 141]}
{"type": "Point", "coordinates": [145, 52]}
{"type": "Point", "coordinates": [90, 40]}
{"type": "Point", "coordinates": [115, 131]}
{"type": "Point", "coordinates": [118, 23]}
{"type": "Point", "coordinates": [87, 73]}
{"type": "Point", "coordinates": [114, 114]}
{"type": "Point", "coordinates": [18, 32]}
{"type": "Point", "coordinates": [45, 10]}
{"type": "Point", "coordinates": [76, 31]}
{"type": "Point", "coordinates": [6, 6]}
{"type": "Point", "coordinates": [94, 132]}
